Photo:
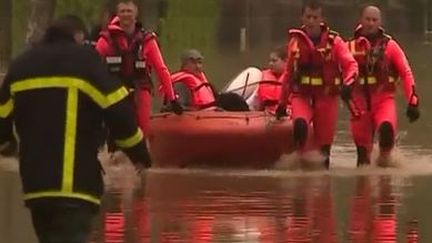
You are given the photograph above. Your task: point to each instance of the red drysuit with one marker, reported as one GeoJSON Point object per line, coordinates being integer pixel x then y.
{"type": "Point", "coordinates": [132, 59]}
{"type": "Point", "coordinates": [381, 63]}
{"type": "Point", "coordinates": [313, 77]}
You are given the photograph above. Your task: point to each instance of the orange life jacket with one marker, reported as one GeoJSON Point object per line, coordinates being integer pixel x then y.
{"type": "Point", "coordinates": [202, 94]}
{"type": "Point", "coordinates": [375, 70]}
{"type": "Point", "coordinates": [315, 68]}
{"type": "Point", "coordinates": [270, 88]}
{"type": "Point", "coordinates": [125, 59]}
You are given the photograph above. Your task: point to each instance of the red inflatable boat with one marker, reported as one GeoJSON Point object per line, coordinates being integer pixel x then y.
{"type": "Point", "coordinates": [218, 138]}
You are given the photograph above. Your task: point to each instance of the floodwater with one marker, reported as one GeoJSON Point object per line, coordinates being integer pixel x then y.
{"type": "Point", "coordinates": [344, 204]}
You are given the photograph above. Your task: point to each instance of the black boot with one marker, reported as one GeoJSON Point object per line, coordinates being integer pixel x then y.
{"type": "Point", "coordinates": [300, 133]}
{"type": "Point", "coordinates": [386, 143]}
{"type": "Point", "coordinates": [386, 137]}
{"type": "Point", "coordinates": [325, 150]}
{"type": "Point", "coordinates": [363, 157]}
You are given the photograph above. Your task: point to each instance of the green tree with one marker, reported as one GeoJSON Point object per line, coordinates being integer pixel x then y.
{"type": "Point", "coordinates": [189, 24]}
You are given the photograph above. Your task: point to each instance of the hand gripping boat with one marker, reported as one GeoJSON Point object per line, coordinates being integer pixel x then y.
{"type": "Point", "coordinates": [218, 138]}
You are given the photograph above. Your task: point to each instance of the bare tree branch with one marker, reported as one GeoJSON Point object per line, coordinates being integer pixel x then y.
{"type": "Point", "coordinates": [5, 34]}
{"type": "Point", "coordinates": [42, 12]}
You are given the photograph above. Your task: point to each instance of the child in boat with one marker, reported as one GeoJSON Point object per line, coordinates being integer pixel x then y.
{"type": "Point", "coordinates": [269, 89]}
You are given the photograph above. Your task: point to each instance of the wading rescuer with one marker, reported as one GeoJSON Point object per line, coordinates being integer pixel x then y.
{"type": "Point", "coordinates": [381, 63]}
{"type": "Point", "coordinates": [190, 83]}
{"type": "Point", "coordinates": [318, 63]}
{"type": "Point", "coordinates": [57, 95]}
{"type": "Point", "coordinates": [131, 53]}
{"type": "Point", "coordinates": [270, 86]}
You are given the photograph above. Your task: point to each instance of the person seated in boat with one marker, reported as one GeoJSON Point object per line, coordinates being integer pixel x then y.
{"type": "Point", "coordinates": [270, 86]}
{"type": "Point", "coordinates": [195, 92]}
{"type": "Point", "coordinates": [190, 83]}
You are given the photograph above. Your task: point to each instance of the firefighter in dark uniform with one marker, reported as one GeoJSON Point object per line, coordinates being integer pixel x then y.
{"type": "Point", "coordinates": [57, 95]}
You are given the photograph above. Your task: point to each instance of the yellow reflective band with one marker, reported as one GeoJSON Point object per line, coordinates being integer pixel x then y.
{"type": "Point", "coordinates": [6, 108]}
{"type": "Point", "coordinates": [70, 137]}
{"type": "Point", "coordinates": [368, 80]}
{"type": "Point", "coordinates": [353, 49]}
{"type": "Point", "coordinates": [130, 141]}
{"type": "Point", "coordinates": [116, 96]}
{"type": "Point", "coordinates": [316, 81]}
{"type": "Point", "coordinates": [74, 195]}
{"type": "Point", "coordinates": [97, 96]}
{"type": "Point", "coordinates": [305, 80]}
{"type": "Point", "coordinates": [311, 81]}
{"type": "Point", "coordinates": [371, 80]}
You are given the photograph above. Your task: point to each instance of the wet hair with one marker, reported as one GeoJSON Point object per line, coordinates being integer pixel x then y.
{"type": "Point", "coordinates": [64, 28]}
{"type": "Point", "coordinates": [281, 52]}
{"type": "Point", "coordinates": [311, 4]}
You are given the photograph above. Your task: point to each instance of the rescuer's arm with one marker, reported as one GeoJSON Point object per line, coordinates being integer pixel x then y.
{"type": "Point", "coordinates": [153, 54]}
{"type": "Point", "coordinates": [346, 61]}
{"type": "Point", "coordinates": [398, 59]}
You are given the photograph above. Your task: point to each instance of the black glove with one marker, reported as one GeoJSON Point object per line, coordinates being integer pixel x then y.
{"type": "Point", "coordinates": [412, 113]}
{"type": "Point", "coordinates": [176, 107]}
{"type": "Point", "coordinates": [281, 112]}
{"type": "Point", "coordinates": [345, 92]}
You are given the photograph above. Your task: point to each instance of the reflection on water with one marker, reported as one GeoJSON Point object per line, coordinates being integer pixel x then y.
{"type": "Point", "coordinates": [263, 207]}
{"type": "Point", "coordinates": [342, 205]}
{"type": "Point", "coordinates": [170, 205]}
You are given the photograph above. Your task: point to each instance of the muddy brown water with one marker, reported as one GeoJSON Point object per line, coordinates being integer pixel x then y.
{"type": "Point", "coordinates": [344, 204]}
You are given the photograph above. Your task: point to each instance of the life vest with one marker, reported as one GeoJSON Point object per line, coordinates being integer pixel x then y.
{"type": "Point", "coordinates": [375, 70]}
{"type": "Point", "coordinates": [269, 89]}
{"type": "Point", "coordinates": [315, 68]}
{"type": "Point", "coordinates": [126, 60]}
{"type": "Point", "coordinates": [199, 87]}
